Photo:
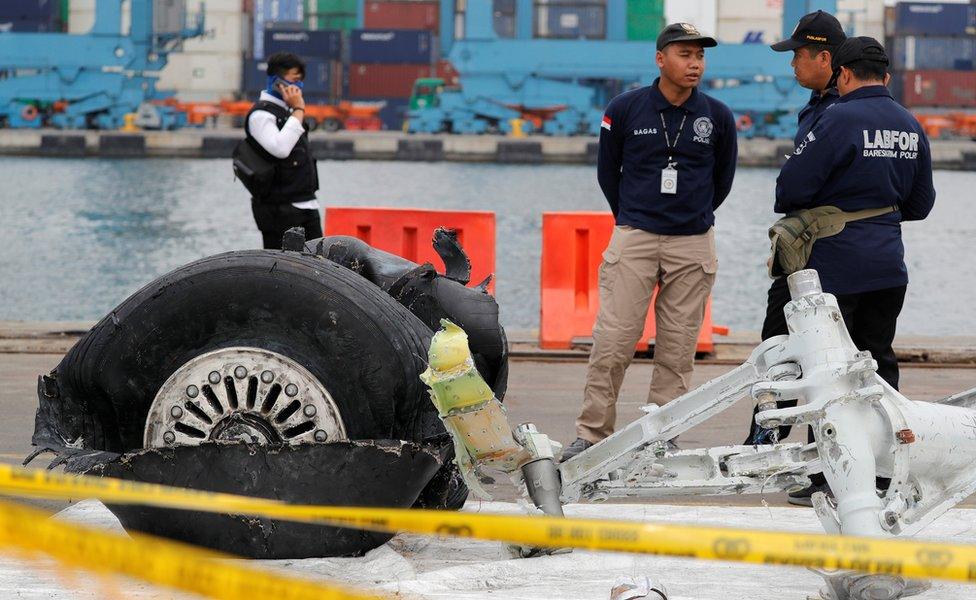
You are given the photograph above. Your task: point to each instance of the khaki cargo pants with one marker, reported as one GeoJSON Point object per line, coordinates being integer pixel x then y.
{"type": "Point", "coordinates": [635, 261]}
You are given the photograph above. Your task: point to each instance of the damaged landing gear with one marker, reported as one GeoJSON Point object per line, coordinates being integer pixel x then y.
{"type": "Point", "coordinates": [290, 375]}
{"type": "Point", "coordinates": [864, 429]}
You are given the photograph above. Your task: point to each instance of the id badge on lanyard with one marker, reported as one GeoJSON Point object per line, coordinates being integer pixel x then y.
{"type": "Point", "coordinates": [669, 180]}
{"type": "Point", "coordinates": [669, 174]}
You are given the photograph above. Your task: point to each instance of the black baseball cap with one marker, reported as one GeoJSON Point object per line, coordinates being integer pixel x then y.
{"type": "Point", "coordinates": [814, 28]}
{"type": "Point", "coordinates": [855, 49]}
{"type": "Point", "coordinates": [683, 32]}
{"type": "Point", "coordinates": [858, 48]}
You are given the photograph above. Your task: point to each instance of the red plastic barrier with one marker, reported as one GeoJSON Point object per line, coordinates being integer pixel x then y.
{"type": "Point", "coordinates": [572, 248]}
{"type": "Point", "coordinates": [408, 232]}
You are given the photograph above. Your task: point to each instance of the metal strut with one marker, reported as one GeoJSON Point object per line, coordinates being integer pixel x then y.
{"type": "Point", "coordinates": [864, 429]}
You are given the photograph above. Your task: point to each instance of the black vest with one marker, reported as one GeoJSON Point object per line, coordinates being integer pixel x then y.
{"type": "Point", "coordinates": [296, 177]}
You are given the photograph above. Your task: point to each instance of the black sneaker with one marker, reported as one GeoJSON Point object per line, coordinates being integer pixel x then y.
{"type": "Point", "coordinates": [575, 448]}
{"type": "Point", "coordinates": [804, 497]}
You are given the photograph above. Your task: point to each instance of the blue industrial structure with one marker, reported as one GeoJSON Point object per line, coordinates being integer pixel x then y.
{"type": "Point", "coordinates": [97, 78]}
{"type": "Point", "coordinates": [501, 77]}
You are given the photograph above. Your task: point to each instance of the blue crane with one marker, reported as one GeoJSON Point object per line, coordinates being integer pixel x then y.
{"type": "Point", "coordinates": [503, 79]}
{"type": "Point", "coordinates": [93, 80]}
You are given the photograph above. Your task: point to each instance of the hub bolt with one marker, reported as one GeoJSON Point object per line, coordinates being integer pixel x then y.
{"type": "Point", "coordinates": [240, 372]}
{"type": "Point", "coordinates": [267, 376]}
{"type": "Point", "coordinates": [176, 411]}
{"type": "Point", "coordinates": [320, 436]}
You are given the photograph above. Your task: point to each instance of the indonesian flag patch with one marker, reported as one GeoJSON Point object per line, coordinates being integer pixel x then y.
{"type": "Point", "coordinates": [606, 123]}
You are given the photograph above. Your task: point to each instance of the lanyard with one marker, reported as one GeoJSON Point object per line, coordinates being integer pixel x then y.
{"type": "Point", "coordinates": [667, 140]}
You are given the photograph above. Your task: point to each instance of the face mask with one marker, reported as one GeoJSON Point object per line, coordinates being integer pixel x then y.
{"type": "Point", "coordinates": [273, 81]}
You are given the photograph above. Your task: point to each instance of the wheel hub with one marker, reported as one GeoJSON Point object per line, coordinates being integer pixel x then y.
{"type": "Point", "coordinates": [242, 394]}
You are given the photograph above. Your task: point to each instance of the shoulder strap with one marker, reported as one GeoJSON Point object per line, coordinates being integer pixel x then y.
{"type": "Point", "coordinates": [270, 107]}
{"type": "Point", "coordinates": [279, 113]}
{"type": "Point", "coordinates": [842, 218]}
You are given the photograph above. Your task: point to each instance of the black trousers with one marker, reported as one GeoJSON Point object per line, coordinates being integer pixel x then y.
{"type": "Point", "coordinates": [275, 219]}
{"type": "Point", "coordinates": [871, 318]}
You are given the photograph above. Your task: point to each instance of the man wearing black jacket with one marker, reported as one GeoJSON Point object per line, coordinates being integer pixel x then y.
{"type": "Point", "coordinates": [666, 162]}
{"type": "Point", "coordinates": [865, 152]}
{"type": "Point", "coordinates": [276, 125]}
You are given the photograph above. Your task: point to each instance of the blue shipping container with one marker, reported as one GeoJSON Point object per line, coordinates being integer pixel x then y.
{"type": "Point", "coordinates": [325, 44]}
{"type": "Point", "coordinates": [391, 46]}
{"type": "Point", "coordinates": [930, 18]}
{"type": "Point", "coordinates": [270, 12]}
{"type": "Point", "coordinates": [29, 10]}
{"type": "Point", "coordinates": [318, 77]}
{"type": "Point", "coordinates": [32, 16]}
{"type": "Point", "coordinates": [571, 22]}
{"type": "Point", "coordinates": [933, 53]}
{"type": "Point", "coordinates": [28, 26]}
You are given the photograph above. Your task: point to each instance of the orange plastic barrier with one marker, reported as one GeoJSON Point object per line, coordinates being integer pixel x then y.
{"type": "Point", "coordinates": [408, 232]}
{"type": "Point", "coordinates": [572, 248]}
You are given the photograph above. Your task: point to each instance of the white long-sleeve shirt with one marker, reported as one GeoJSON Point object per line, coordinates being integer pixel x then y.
{"type": "Point", "coordinates": [277, 142]}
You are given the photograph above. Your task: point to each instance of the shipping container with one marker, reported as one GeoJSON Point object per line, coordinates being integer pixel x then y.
{"type": "Point", "coordinates": [215, 74]}
{"type": "Point", "coordinates": [935, 18]}
{"type": "Point", "coordinates": [932, 53]}
{"type": "Point", "coordinates": [338, 21]}
{"type": "Point", "coordinates": [228, 30]}
{"type": "Point", "coordinates": [645, 19]}
{"type": "Point", "coordinates": [322, 44]}
{"type": "Point", "coordinates": [322, 77]}
{"type": "Point", "coordinates": [570, 21]}
{"type": "Point", "coordinates": [941, 89]}
{"type": "Point", "coordinates": [81, 16]}
{"type": "Point", "coordinates": [331, 14]}
{"type": "Point", "coordinates": [402, 15]}
{"type": "Point", "coordinates": [270, 14]}
{"type": "Point", "coordinates": [29, 10]}
{"type": "Point", "coordinates": [384, 81]}
{"type": "Point", "coordinates": [749, 31]}
{"type": "Point", "coordinates": [224, 6]}
{"type": "Point", "coordinates": [31, 16]}
{"type": "Point", "coordinates": [330, 6]}
{"type": "Point", "coordinates": [749, 9]}
{"type": "Point", "coordinates": [391, 46]}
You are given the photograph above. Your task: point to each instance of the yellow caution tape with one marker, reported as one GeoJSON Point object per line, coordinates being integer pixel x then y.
{"type": "Point", "coordinates": [161, 562]}
{"type": "Point", "coordinates": [891, 556]}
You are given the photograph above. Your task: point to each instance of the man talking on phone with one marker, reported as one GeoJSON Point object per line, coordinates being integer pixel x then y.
{"type": "Point", "coordinates": [276, 124]}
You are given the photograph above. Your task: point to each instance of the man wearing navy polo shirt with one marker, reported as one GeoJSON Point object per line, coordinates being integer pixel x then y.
{"type": "Point", "coordinates": [666, 162]}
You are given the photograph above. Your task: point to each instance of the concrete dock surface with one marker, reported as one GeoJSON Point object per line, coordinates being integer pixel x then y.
{"type": "Point", "coordinates": [957, 154]}
{"type": "Point", "coordinates": [544, 388]}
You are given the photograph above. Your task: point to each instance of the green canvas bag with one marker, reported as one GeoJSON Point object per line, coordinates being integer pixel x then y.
{"type": "Point", "coordinates": [792, 237]}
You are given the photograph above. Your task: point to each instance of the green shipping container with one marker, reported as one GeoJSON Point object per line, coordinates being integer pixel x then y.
{"type": "Point", "coordinates": [330, 6]}
{"type": "Point", "coordinates": [645, 19]}
{"type": "Point", "coordinates": [344, 22]}
{"type": "Point", "coordinates": [331, 14]}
